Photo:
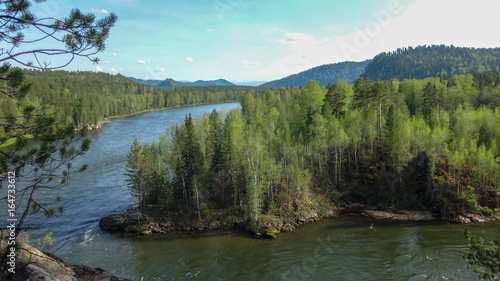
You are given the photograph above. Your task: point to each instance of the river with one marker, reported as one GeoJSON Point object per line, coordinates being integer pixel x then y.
{"type": "Point", "coordinates": [343, 248]}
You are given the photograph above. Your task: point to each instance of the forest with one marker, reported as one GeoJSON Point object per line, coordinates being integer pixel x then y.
{"type": "Point", "coordinates": [86, 99]}
{"type": "Point", "coordinates": [429, 144]}
{"type": "Point", "coordinates": [430, 61]}
{"type": "Point", "coordinates": [323, 74]}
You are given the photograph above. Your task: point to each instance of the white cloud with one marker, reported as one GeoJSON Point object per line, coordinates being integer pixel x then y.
{"type": "Point", "coordinates": [114, 70]}
{"type": "Point", "coordinates": [210, 30]}
{"type": "Point", "coordinates": [302, 51]}
{"type": "Point", "coordinates": [112, 55]}
{"type": "Point", "coordinates": [190, 59]}
{"type": "Point", "coordinates": [246, 63]}
{"type": "Point", "coordinates": [468, 24]}
{"type": "Point", "coordinates": [99, 11]}
{"type": "Point", "coordinates": [98, 68]}
{"type": "Point", "coordinates": [141, 61]}
{"type": "Point", "coordinates": [160, 69]}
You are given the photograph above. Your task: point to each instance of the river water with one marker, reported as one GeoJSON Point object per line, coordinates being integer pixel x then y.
{"type": "Point", "coordinates": [343, 248]}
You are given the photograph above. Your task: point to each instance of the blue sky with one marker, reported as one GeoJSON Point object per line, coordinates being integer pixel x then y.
{"type": "Point", "coordinates": [257, 40]}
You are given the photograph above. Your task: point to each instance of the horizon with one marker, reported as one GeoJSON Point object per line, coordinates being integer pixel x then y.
{"type": "Point", "coordinates": [247, 41]}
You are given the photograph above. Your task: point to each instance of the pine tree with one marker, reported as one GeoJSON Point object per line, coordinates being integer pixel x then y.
{"type": "Point", "coordinates": [191, 164]}
{"type": "Point", "coordinates": [335, 98]}
{"type": "Point", "coordinates": [78, 35]}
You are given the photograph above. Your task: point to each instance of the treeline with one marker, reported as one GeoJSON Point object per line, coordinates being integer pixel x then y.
{"type": "Point", "coordinates": [422, 144]}
{"type": "Point", "coordinates": [87, 98]}
{"type": "Point", "coordinates": [324, 75]}
{"type": "Point", "coordinates": [431, 61]}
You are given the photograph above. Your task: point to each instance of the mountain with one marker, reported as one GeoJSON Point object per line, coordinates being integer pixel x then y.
{"type": "Point", "coordinates": [148, 82]}
{"type": "Point", "coordinates": [219, 82]}
{"type": "Point", "coordinates": [171, 83]}
{"type": "Point", "coordinates": [324, 74]}
{"type": "Point", "coordinates": [430, 61]}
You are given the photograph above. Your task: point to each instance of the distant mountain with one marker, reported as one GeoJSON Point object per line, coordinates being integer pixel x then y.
{"type": "Point", "coordinates": [430, 61]}
{"type": "Point", "coordinates": [148, 82]}
{"type": "Point", "coordinates": [219, 82]}
{"type": "Point", "coordinates": [171, 83]}
{"type": "Point", "coordinates": [324, 74]}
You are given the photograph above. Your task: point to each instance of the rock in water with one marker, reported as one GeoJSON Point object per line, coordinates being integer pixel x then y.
{"type": "Point", "coordinates": [122, 221]}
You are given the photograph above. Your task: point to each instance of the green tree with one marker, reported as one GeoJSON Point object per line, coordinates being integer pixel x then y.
{"type": "Point", "coordinates": [397, 138]}
{"type": "Point", "coordinates": [485, 258]}
{"type": "Point", "coordinates": [336, 98]}
{"type": "Point", "coordinates": [379, 92]}
{"type": "Point", "coordinates": [433, 97]}
{"type": "Point", "coordinates": [190, 169]}
{"type": "Point", "coordinates": [362, 98]}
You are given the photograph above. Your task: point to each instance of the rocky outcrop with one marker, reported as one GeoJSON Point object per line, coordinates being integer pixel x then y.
{"type": "Point", "coordinates": [120, 222]}
{"type": "Point", "coordinates": [419, 216]}
{"type": "Point", "coordinates": [473, 218]}
{"type": "Point", "coordinates": [32, 264]}
{"type": "Point", "coordinates": [133, 221]}
{"type": "Point", "coordinates": [402, 216]}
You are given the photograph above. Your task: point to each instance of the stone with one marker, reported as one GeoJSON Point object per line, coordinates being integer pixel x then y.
{"type": "Point", "coordinates": [33, 264]}
{"type": "Point", "coordinates": [122, 221]}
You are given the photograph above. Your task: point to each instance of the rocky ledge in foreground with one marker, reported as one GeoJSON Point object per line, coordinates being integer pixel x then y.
{"type": "Point", "coordinates": [32, 264]}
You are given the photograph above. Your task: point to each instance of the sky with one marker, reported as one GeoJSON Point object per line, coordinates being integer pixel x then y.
{"type": "Point", "coordinates": [262, 40]}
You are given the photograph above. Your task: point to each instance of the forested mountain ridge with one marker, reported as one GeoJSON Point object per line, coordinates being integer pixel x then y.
{"type": "Point", "coordinates": [431, 61]}
{"type": "Point", "coordinates": [171, 83]}
{"type": "Point", "coordinates": [324, 74]}
{"type": "Point", "coordinates": [86, 98]}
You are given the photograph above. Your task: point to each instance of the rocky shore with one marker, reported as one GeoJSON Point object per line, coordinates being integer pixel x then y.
{"type": "Point", "coordinates": [134, 221]}
{"type": "Point", "coordinates": [33, 264]}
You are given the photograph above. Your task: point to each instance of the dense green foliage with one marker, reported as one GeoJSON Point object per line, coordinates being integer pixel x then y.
{"type": "Point", "coordinates": [324, 74]}
{"type": "Point", "coordinates": [429, 61]}
{"type": "Point", "coordinates": [87, 98]}
{"type": "Point", "coordinates": [485, 258]}
{"type": "Point", "coordinates": [290, 151]}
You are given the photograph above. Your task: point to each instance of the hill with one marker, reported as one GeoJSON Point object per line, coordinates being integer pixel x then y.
{"type": "Point", "coordinates": [430, 61]}
{"type": "Point", "coordinates": [147, 82]}
{"type": "Point", "coordinates": [171, 83]}
{"type": "Point", "coordinates": [324, 74]}
{"type": "Point", "coordinates": [218, 82]}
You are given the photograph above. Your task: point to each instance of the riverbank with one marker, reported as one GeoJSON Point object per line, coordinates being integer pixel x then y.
{"type": "Point", "coordinates": [147, 223]}
{"type": "Point", "coordinates": [33, 264]}
{"type": "Point", "coordinates": [165, 108]}
{"type": "Point", "coordinates": [107, 120]}
{"type": "Point", "coordinates": [137, 222]}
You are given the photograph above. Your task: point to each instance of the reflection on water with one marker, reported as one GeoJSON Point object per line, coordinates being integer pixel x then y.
{"type": "Point", "coordinates": [344, 248]}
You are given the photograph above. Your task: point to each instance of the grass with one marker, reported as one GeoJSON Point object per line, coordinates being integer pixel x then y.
{"type": "Point", "coordinates": [12, 141]}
